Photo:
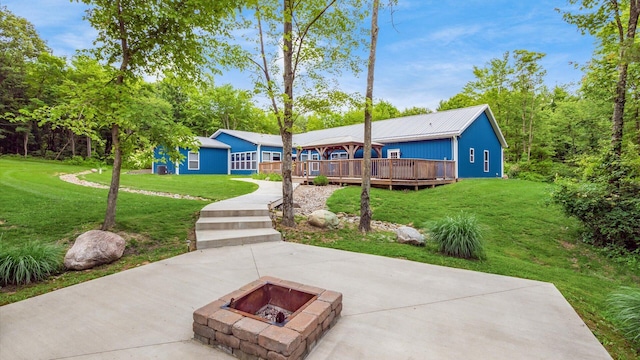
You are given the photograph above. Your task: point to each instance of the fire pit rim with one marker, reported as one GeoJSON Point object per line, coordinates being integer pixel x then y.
{"type": "Point", "coordinates": [228, 305]}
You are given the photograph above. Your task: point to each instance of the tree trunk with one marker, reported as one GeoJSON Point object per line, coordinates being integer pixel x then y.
{"type": "Point", "coordinates": [365, 208]}
{"type": "Point", "coordinates": [88, 147]}
{"type": "Point", "coordinates": [25, 143]}
{"type": "Point", "coordinates": [112, 198]}
{"type": "Point", "coordinates": [72, 137]}
{"type": "Point", "coordinates": [618, 111]}
{"type": "Point", "coordinates": [621, 86]}
{"type": "Point", "coordinates": [286, 125]}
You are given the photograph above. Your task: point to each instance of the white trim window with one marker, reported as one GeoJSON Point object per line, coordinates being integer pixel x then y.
{"type": "Point", "coordinates": [486, 161]}
{"type": "Point", "coordinates": [271, 156]}
{"type": "Point", "coordinates": [393, 153]}
{"type": "Point", "coordinates": [339, 156]}
{"type": "Point", "coordinates": [472, 155]}
{"type": "Point", "coordinates": [315, 165]}
{"type": "Point", "coordinates": [193, 160]}
{"type": "Point", "coordinates": [244, 161]}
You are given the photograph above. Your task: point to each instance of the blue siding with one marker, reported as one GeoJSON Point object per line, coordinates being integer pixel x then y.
{"type": "Point", "coordinates": [157, 155]}
{"type": "Point", "coordinates": [439, 149]}
{"type": "Point", "coordinates": [238, 145]}
{"type": "Point", "coordinates": [270, 149]}
{"type": "Point", "coordinates": [480, 136]}
{"type": "Point", "coordinates": [212, 161]}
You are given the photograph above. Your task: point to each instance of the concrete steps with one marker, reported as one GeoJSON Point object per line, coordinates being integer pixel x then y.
{"type": "Point", "coordinates": [228, 224]}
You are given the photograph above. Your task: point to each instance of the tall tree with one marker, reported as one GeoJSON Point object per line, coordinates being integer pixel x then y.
{"type": "Point", "coordinates": [605, 19]}
{"type": "Point", "coordinates": [20, 45]}
{"type": "Point", "coordinates": [149, 37]}
{"type": "Point", "coordinates": [365, 208]}
{"type": "Point", "coordinates": [316, 40]}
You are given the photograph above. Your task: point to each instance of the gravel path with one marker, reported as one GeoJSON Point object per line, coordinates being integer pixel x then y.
{"type": "Point", "coordinates": [311, 198]}
{"type": "Point", "coordinates": [73, 179]}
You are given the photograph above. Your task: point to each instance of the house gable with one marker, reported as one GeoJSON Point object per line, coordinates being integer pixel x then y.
{"type": "Point", "coordinates": [480, 136]}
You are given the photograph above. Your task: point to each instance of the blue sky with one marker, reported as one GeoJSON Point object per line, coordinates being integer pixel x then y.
{"type": "Point", "coordinates": [426, 55]}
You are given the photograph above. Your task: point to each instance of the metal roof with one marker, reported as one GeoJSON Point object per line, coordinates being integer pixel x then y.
{"type": "Point", "coordinates": [206, 142]}
{"type": "Point", "coordinates": [255, 138]}
{"type": "Point", "coordinates": [437, 125]}
{"type": "Point", "coordinates": [339, 140]}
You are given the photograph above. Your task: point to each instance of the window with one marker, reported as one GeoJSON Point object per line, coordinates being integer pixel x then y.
{"type": "Point", "coordinates": [315, 166]}
{"type": "Point", "coordinates": [472, 155]}
{"type": "Point", "coordinates": [268, 156]}
{"type": "Point", "coordinates": [339, 155]}
{"type": "Point", "coordinates": [393, 153]}
{"type": "Point", "coordinates": [486, 161]}
{"type": "Point", "coordinates": [193, 160]}
{"type": "Point", "coordinates": [244, 161]}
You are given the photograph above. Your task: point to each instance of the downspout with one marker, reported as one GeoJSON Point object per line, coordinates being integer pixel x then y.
{"type": "Point", "coordinates": [228, 161]}
{"type": "Point", "coordinates": [454, 142]}
{"type": "Point", "coordinates": [501, 161]}
{"type": "Point", "coordinates": [259, 158]}
{"type": "Point", "coordinates": [177, 162]}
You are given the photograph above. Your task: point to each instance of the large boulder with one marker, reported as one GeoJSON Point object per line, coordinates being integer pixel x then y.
{"type": "Point", "coordinates": [93, 248]}
{"type": "Point", "coordinates": [409, 235]}
{"type": "Point", "coordinates": [324, 219]}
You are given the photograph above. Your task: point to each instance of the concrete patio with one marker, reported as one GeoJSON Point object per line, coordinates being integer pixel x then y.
{"type": "Point", "coordinates": [393, 309]}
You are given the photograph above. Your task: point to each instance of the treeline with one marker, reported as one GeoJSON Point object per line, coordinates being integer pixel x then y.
{"type": "Point", "coordinates": [59, 108]}
{"type": "Point", "coordinates": [550, 131]}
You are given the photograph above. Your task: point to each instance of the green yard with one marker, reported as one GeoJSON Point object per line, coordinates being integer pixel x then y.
{"type": "Point", "coordinates": [525, 236]}
{"type": "Point", "coordinates": [36, 205]}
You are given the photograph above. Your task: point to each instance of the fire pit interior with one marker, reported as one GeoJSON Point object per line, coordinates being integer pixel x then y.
{"type": "Point", "coordinates": [272, 303]}
{"type": "Point", "coordinates": [269, 318]}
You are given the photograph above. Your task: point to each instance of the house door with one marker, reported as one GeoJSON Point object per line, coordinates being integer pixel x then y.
{"type": "Point", "coordinates": [315, 164]}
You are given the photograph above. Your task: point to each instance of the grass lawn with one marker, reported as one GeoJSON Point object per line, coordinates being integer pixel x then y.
{"type": "Point", "coordinates": [36, 205]}
{"type": "Point", "coordinates": [524, 237]}
{"type": "Point", "coordinates": [205, 186]}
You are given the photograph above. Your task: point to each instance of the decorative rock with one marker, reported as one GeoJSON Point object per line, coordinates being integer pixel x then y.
{"type": "Point", "coordinates": [324, 219]}
{"type": "Point", "coordinates": [409, 235]}
{"type": "Point", "coordinates": [93, 248]}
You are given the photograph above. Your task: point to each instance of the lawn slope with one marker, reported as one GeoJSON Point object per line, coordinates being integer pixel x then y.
{"type": "Point", "coordinates": [525, 236]}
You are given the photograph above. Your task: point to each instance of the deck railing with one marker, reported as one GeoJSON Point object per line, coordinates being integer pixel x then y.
{"type": "Point", "coordinates": [393, 169]}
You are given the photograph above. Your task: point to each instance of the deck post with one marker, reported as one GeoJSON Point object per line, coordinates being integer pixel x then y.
{"type": "Point", "coordinates": [307, 171]}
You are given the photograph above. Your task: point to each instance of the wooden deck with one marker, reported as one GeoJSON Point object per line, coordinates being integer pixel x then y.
{"type": "Point", "coordinates": [390, 173]}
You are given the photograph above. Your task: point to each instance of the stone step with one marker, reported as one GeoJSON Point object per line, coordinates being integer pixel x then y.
{"type": "Point", "coordinates": [218, 238]}
{"type": "Point", "coordinates": [233, 223]}
{"type": "Point", "coordinates": [231, 211]}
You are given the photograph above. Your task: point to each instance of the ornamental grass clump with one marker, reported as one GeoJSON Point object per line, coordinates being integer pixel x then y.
{"type": "Point", "coordinates": [625, 309]}
{"type": "Point", "coordinates": [320, 180]}
{"type": "Point", "coordinates": [30, 262]}
{"type": "Point", "coordinates": [459, 236]}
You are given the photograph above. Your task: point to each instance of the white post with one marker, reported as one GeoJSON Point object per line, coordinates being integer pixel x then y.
{"type": "Point", "coordinates": [454, 142]}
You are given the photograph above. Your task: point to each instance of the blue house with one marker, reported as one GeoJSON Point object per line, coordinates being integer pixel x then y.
{"type": "Point", "coordinates": [468, 139]}
{"type": "Point", "coordinates": [211, 158]}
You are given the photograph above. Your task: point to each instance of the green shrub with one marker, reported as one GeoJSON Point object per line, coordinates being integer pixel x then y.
{"type": "Point", "coordinates": [259, 176]}
{"type": "Point", "coordinates": [32, 261]}
{"type": "Point", "coordinates": [459, 236]}
{"type": "Point", "coordinates": [610, 214]}
{"type": "Point", "coordinates": [625, 309]}
{"type": "Point", "coordinates": [320, 180]}
{"type": "Point", "coordinates": [267, 176]}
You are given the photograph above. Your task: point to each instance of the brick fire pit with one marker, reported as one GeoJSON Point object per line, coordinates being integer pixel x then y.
{"type": "Point", "coordinates": [269, 318]}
